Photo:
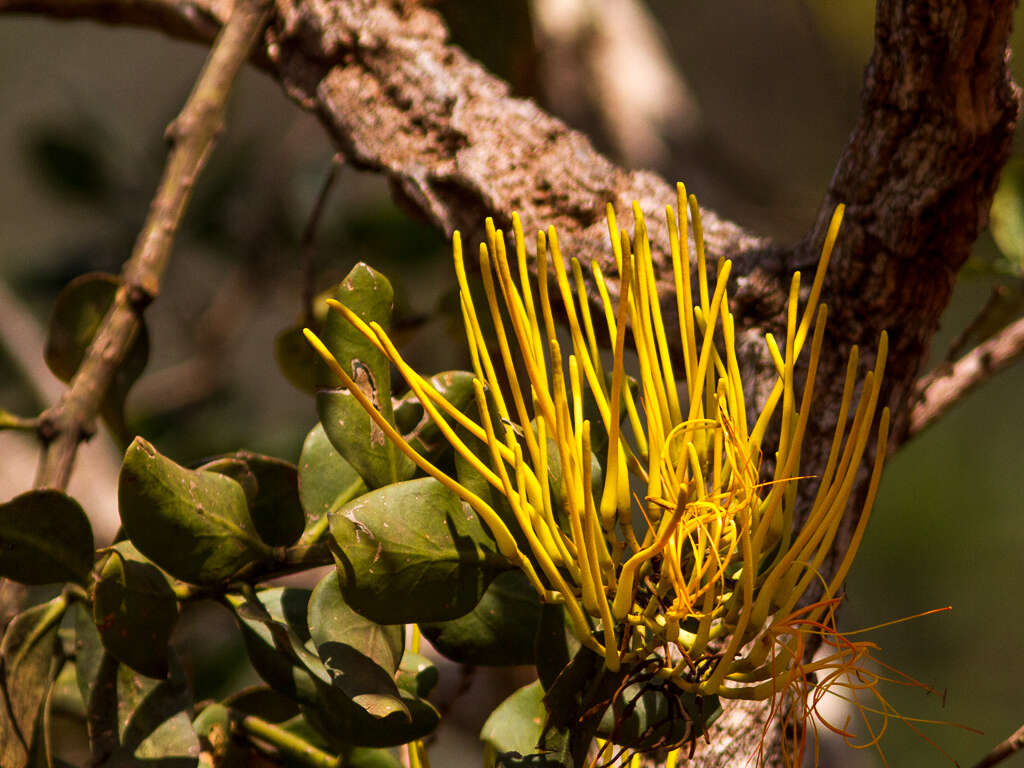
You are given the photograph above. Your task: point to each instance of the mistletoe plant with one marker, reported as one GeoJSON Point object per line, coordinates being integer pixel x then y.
{"type": "Point", "coordinates": [624, 528]}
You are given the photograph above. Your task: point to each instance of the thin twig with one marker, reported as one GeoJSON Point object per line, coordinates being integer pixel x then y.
{"type": "Point", "coordinates": [940, 392]}
{"type": "Point", "coordinates": [1003, 750]}
{"type": "Point", "coordinates": [192, 135]}
{"type": "Point", "coordinates": [309, 236]}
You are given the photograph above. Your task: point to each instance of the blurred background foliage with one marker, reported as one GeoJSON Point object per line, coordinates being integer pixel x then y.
{"type": "Point", "coordinates": [749, 102]}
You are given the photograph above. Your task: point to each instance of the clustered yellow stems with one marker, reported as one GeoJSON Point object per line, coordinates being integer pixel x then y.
{"type": "Point", "coordinates": [668, 549]}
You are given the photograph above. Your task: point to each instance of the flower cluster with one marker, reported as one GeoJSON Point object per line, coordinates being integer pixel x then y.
{"type": "Point", "coordinates": [639, 493]}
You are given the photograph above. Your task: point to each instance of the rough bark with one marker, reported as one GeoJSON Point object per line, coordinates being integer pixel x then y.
{"type": "Point", "coordinates": [938, 113]}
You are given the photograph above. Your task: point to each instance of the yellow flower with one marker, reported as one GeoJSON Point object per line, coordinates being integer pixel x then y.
{"type": "Point", "coordinates": [668, 549]}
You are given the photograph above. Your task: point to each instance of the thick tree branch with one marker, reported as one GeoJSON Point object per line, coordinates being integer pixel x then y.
{"type": "Point", "coordinates": [192, 135]}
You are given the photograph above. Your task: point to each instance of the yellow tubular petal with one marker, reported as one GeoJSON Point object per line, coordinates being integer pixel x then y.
{"type": "Point", "coordinates": [516, 313]}
{"type": "Point", "coordinates": [708, 345]}
{"type": "Point", "coordinates": [819, 274]}
{"type": "Point", "coordinates": [702, 268]}
{"type": "Point", "coordinates": [592, 534]}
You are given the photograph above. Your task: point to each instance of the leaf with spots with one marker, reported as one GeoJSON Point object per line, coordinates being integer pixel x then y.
{"type": "Point", "coordinates": [194, 524]}
{"type": "Point", "coordinates": [352, 432]}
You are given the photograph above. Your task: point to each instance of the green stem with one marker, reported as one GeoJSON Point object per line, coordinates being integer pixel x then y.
{"type": "Point", "coordinates": [287, 743]}
{"type": "Point", "coordinates": [314, 533]}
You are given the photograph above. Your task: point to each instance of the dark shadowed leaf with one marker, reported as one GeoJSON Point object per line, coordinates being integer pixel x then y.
{"type": "Point", "coordinates": [500, 631]}
{"type": "Point", "coordinates": [413, 552]}
{"type": "Point", "coordinates": [193, 524]}
{"type": "Point", "coordinates": [361, 656]}
{"type": "Point", "coordinates": [44, 537]}
{"type": "Point", "coordinates": [29, 662]}
{"type": "Point", "coordinates": [356, 437]}
{"type": "Point", "coordinates": [275, 635]}
{"type": "Point", "coordinates": [135, 610]}
{"type": "Point", "coordinates": [77, 315]}
{"type": "Point", "coordinates": [271, 487]}
{"type": "Point", "coordinates": [139, 721]}
{"type": "Point", "coordinates": [645, 717]}
{"type": "Point", "coordinates": [326, 481]}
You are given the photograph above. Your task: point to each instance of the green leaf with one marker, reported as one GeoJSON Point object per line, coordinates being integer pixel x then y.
{"type": "Point", "coordinates": [415, 424]}
{"type": "Point", "coordinates": [135, 610]}
{"type": "Point", "coordinates": [275, 635]}
{"type": "Point", "coordinates": [29, 662]}
{"type": "Point", "coordinates": [413, 552]}
{"type": "Point", "coordinates": [134, 719]}
{"type": "Point", "coordinates": [346, 727]}
{"type": "Point", "coordinates": [644, 717]}
{"type": "Point", "coordinates": [500, 631]}
{"type": "Point", "coordinates": [76, 318]}
{"type": "Point", "coordinates": [1006, 219]}
{"type": "Point", "coordinates": [361, 656]}
{"type": "Point", "coordinates": [89, 651]}
{"type": "Point", "coordinates": [417, 674]}
{"type": "Point", "coordinates": [326, 481]}
{"type": "Point", "coordinates": [299, 362]}
{"type": "Point", "coordinates": [556, 643]}
{"type": "Point", "coordinates": [264, 702]}
{"type": "Point", "coordinates": [45, 537]}
{"type": "Point", "coordinates": [514, 728]}
{"type": "Point", "coordinates": [271, 487]}
{"type": "Point", "coordinates": [193, 524]}
{"type": "Point", "coordinates": [356, 437]}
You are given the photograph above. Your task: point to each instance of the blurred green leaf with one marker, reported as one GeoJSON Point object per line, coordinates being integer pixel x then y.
{"type": "Point", "coordinates": [135, 610]}
{"type": "Point", "coordinates": [30, 655]}
{"type": "Point", "coordinates": [271, 487]}
{"type": "Point", "coordinates": [354, 434]}
{"type": "Point", "coordinates": [1006, 219]}
{"type": "Point", "coordinates": [361, 656]}
{"type": "Point", "coordinates": [136, 720]}
{"type": "Point", "coordinates": [413, 552]}
{"type": "Point", "coordinates": [46, 537]}
{"type": "Point", "coordinates": [364, 757]}
{"type": "Point", "coordinates": [298, 361]}
{"type": "Point", "coordinates": [70, 159]}
{"type": "Point", "coordinates": [500, 631]}
{"type": "Point", "coordinates": [77, 315]}
{"type": "Point", "coordinates": [193, 524]}
{"type": "Point", "coordinates": [326, 481]}
{"type": "Point", "coordinates": [417, 674]}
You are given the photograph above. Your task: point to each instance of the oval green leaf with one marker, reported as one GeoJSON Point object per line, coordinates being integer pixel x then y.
{"type": "Point", "coordinates": [45, 537]}
{"type": "Point", "coordinates": [413, 552]}
{"type": "Point", "coordinates": [271, 487]}
{"type": "Point", "coordinates": [360, 655]}
{"type": "Point", "coordinates": [326, 481]}
{"type": "Point", "coordinates": [354, 434]}
{"type": "Point", "coordinates": [516, 725]}
{"type": "Point", "coordinates": [417, 674]}
{"type": "Point", "coordinates": [135, 610]}
{"type": "Point", "coordinates": [193, 524]}
{"type": "Point", "coordinates": [500, 631]}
